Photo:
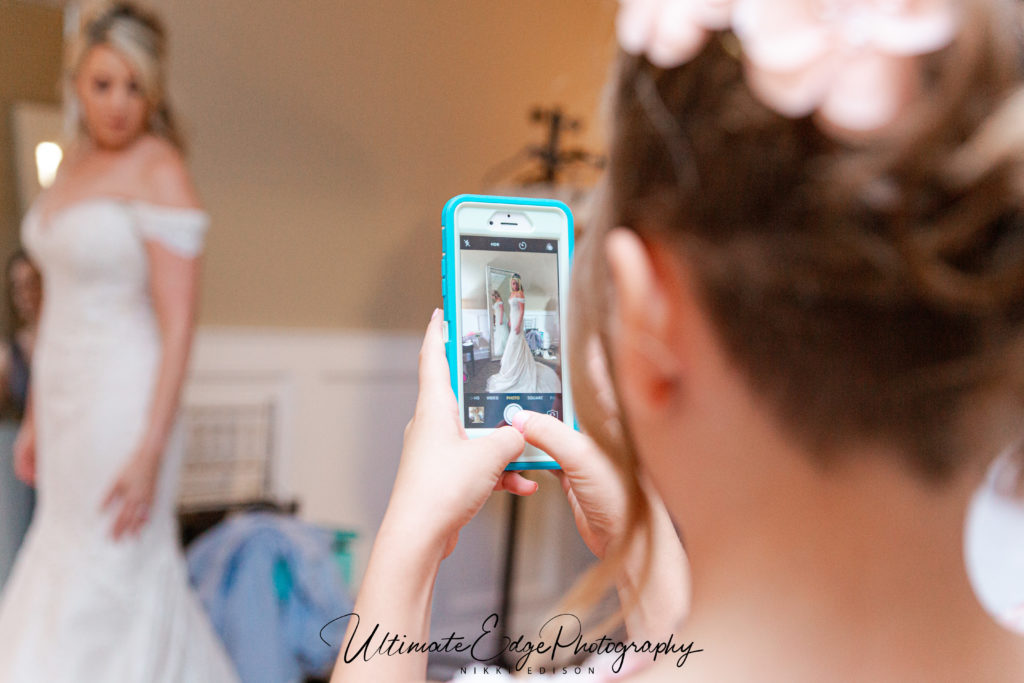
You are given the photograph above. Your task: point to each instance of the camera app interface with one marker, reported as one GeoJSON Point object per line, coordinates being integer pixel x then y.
{"type": "Point", "coordinates": [511, 342]}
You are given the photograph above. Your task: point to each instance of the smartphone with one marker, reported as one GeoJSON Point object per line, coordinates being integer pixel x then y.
{"type": "Point", "coordinates": [505, 280]}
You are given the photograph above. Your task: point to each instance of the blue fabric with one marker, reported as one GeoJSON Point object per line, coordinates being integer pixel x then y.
{"type": "Point", "coordinates": [535, 339]}
{"type": "Point", "coordinates": [270, 583]}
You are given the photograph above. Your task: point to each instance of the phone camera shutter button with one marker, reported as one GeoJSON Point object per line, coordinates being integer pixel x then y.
{"type": "Point", "coordinates": [510, 411]}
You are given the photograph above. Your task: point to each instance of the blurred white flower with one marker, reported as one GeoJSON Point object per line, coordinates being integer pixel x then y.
{"type": "Point", "coordinates": [670, 32]}
{"type": "Point", "coordinates": [850, 60]}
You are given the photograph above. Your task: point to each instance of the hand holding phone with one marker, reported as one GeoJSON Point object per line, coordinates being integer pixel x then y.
{"type": "Point", "coordinates": [506, 263]}
{"type": "Point", "coordinates": [443, 477]}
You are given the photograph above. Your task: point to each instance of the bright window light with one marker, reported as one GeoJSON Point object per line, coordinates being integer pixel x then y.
{"type": "Point", "coordinates": [48, 158]}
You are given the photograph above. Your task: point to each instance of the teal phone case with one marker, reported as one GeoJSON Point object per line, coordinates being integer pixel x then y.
{"type": "Point", "coordinates": [448, 282]}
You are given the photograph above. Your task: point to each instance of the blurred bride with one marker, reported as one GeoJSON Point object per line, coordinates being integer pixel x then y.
{"type": "Point", "coordinates": [99, 591]}
{"type": "Point", "coordinates": [520, 372]}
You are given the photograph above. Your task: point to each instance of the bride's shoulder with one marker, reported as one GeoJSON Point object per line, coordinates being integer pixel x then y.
{"type": "Point", "coordinates": [163, 174]}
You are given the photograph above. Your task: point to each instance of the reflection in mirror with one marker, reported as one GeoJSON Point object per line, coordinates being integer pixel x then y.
{"type": "Point", "coordinates": [498, 286]}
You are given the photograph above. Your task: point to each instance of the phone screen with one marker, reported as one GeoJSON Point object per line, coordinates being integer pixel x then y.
{"type": "Point", "coordinates": [511, 341]}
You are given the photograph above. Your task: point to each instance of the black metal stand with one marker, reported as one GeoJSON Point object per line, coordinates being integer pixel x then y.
{"type": "Point", "coordinates": [505, 660]}
{"type": "Point", "coordinates": [508, 577]}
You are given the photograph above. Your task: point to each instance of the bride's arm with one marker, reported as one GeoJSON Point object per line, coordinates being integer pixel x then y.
{"type": "Point", "coordinates": [174, 287]}
{"type": "Point", "coordinates": [25, 445]}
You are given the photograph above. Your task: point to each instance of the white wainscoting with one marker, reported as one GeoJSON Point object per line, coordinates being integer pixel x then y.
{"type": "Point", "coordinates": [341, 402]}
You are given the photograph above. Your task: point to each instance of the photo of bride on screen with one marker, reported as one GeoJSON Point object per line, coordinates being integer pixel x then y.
{"type": "Point", "coordinates": [519, 372]}
{"type": "Point", "coordinates": [510, 327]}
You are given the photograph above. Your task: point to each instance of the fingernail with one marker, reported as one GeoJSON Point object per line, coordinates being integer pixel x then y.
{"type": "Point", "coordinates": [519, 420]}
{"type": "Point", "coordinates": [435, 313]}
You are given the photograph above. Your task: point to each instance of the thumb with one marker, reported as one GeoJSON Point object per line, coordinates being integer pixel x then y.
{"type": "Point", "coordinates": [503, 445]}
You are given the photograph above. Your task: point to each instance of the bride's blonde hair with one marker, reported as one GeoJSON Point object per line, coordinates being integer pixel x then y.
{"type": "Point", "coordinates": [138, 36]}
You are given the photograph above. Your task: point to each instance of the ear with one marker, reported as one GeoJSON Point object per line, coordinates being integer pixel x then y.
{"type": "Point", "coordinates": [646, 363]}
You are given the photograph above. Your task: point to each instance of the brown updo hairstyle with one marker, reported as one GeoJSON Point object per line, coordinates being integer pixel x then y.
{"type": "Point", "coordinates": [139, 36]}
{"type": "Point", "coordinates": [869, 291]}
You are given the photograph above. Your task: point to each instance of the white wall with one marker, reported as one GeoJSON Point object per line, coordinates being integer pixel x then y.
{"type": "Point", "coordinates": [341, 403]}
{"type": "Point", "coordinates": [326, 136]}
{"type": "Point", "coordinates": [479, 320]}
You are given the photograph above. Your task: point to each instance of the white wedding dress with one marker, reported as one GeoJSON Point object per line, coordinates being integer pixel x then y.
{"type": "Point", "coordinates": [520, 372]}
{"type": "Point", "coordinates": [78, 606]}
{"type": "Point", "coordinates": [500, 329]}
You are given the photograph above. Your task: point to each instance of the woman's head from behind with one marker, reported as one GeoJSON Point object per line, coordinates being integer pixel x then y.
{"type": "Point", "coordinates": [115, 81]}
{"type": "Point", "coordinates": [858, 291]}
